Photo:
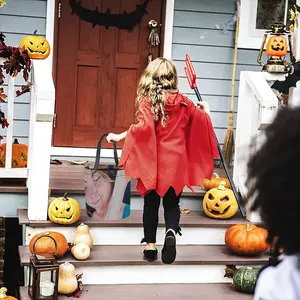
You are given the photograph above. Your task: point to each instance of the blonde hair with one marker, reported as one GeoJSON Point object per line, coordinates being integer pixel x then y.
{"type": "Point", "coordinates": [159, 77]}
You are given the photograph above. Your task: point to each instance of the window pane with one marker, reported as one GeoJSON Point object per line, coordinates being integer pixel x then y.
{"type": "Point", "coordinates": [270, 12]}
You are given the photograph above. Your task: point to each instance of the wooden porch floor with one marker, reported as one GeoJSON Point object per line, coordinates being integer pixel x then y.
{"type": "Point", "coordinates": [69, 178]}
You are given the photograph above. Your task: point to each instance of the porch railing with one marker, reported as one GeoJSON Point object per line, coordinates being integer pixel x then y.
{"type": "Point", "coordinates": [257, 106]}
{"type": "Point", "coordinates": [40, 136]}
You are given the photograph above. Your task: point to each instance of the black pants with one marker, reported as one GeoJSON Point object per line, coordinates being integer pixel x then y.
{"type": "Point", "coordinates": [150, 215]}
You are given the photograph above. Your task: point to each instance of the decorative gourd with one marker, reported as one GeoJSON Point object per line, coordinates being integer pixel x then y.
{"type": "Point", "coordinates": [276, 46]}
{"type": "Point", "coordinates": [19, 155]}
{"type": "Point", "coordinates": [215, 182]}
{"type": "Point", "coordinates": [64, 210]}
{"type": "Point", "coordinates": [37, 46]}
{"type": "Point", "coordinates": [244, 279]}
{"type": "Point", "coordinates": [220, 203]}
{"type": "Point", "coordinates": [45, 246]}
{"type": "Point", "coordinates": [246, 239]}
{"type": "Point", "coordinates": [83, 235]}
{"type": "Point", "coordinates": [67, 280]}
{"type": "Point", "coordinates": [81, 251]}
{"type": "Point", "coordinates": [3, 295]}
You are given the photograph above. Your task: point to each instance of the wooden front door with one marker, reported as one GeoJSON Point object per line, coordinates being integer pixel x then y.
{"type": "Point", "coordinates": [97, 71]}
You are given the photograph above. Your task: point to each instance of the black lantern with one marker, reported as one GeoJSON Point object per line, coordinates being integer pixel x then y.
{"type": "Point", "coordinates": [276, 50]}
{"type": "Point", "coordinates": [43, 276]}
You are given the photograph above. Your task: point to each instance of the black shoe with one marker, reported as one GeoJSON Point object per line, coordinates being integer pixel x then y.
{"type": "Point", "coordinates": [150, 255]}
{"type": "Point", "coordinates": [169, 249]}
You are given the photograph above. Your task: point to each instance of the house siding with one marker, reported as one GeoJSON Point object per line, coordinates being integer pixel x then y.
{"type": "Point", "coordinates": [212, 56]}
{"type": "Point", "coordinates": [19, 18]}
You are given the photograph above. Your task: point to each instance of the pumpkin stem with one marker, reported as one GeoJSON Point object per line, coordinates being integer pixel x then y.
{"type": "Point", "coordinates": [3, 292]}
{"type": "Point", "coordinates": [16, 141]}
{"type": "Point", "coordinates": [65, 197]}
{"type": "Point", "coordinates": [215, 175]}
{"type": "Point", "coordinates": [35, 32]}
{"type": "Point", "coordinates": [248, 227]}
{"type": "Point", "coordinates": [221, 187]}
{"type": "Point", "coordinates": [230, 270]}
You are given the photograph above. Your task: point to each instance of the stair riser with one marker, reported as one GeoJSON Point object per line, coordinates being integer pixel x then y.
{"type": "Point", "coordinates": [192, 203]}
{"type": "Point", "coordinates": [133, 235]}
{"type": "Point", "coordinates": [151, 274]}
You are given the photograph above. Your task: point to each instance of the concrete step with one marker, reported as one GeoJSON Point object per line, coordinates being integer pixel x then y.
{"type": "Point", "coordinates": [125, 265]}
{"type": "Point", "coordinates": [156, 291]}
{"type": "Point", "coordinates": [197, 228]}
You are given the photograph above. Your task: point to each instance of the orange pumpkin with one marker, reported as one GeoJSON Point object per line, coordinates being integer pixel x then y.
{"type": "Point", "coordinates": [276, 46]}
{"type": "Point", "coordinates": [214, 182]}
{"type": "Point", "coordinates": [246, 239]}
{"type": "Point", "coordinates": [45, 246]}
{"type": "Point", "coordinates": [19, 155]}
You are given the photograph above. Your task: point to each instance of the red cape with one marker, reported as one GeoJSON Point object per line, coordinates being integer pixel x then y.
{"type": "Point", "coordinates": [180, 154]}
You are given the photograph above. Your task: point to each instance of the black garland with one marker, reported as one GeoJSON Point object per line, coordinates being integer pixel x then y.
{"type": "Point", "coordinates": [121, 21]}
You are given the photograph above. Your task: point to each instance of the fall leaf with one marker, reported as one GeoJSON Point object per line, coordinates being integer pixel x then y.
{"type": "Point", "coordinates": [24, 89]}
{"type": "Point", "coordinates": [2, 3]}
{"type": "Point", "coordinates": [4, 122]}
{"type": "Point", "coordinates": [79, 289]}
{"type": "Point", "coordinates": [2, 95]}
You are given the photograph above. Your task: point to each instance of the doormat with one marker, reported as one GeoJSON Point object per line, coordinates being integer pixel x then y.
{"type": "Point", "coordinates": [124, 20]}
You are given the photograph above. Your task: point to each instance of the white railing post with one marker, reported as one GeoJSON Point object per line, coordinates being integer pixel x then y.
{"type": "Point", "coordinates": [41, 122]}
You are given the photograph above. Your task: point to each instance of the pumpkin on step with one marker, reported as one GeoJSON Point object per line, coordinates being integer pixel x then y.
{"type": "Point", "coordinates": [3, 295]}
{"type": "Point", "coordinates": [246, 239]}
{"type": "Point", "coordinates": [19, 155]}
{"type": "Point", "coordinates": [215, 182]}
{"type": "Point", "coordinates": [37, 46]}
{"type": "Point", "coordinates": [67, 280]}
{"type": "Point", "coordinates": [64, 210]}
{"type": "Point", "coordinates": [45, 246]}
{"type": "Point", "coordinates": [276, 46]}
{"type": "Point", "coordinates": [244, 279]}
{"type": "Point", "coordinates": [83, 235]}
{"type": "Point", "coordinates": [220, 203]}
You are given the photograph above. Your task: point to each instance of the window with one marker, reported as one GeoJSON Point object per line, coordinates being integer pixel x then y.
{"type": "Point", "coordinates": [257, 16]}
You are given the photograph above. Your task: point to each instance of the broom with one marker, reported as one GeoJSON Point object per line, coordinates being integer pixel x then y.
{"type": "Point", "coordinates": [228, 146]}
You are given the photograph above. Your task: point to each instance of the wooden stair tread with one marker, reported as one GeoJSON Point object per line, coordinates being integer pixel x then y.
{"type": "Point", "coordinates": [194, 219]}
{"type": "Point", "coordinates": [132, 255]}
{"type": "Point", "coordinates": [212, 291]}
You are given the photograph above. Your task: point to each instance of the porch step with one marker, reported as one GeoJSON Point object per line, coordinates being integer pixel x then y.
{"type": "Point", "coordinates": [194, 264]}
{"type": "Point", "coordinates": [197, 229]}
{"type": "Point", "coordinates": [156, 291]}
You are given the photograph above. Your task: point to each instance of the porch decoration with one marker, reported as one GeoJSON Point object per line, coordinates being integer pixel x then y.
{"type": "Point", "coordinates": [81, 251]}
{"type": "Point", "coordinates": [276, 50]}
{"type": "Point", "coordinates": [64, 210]}
{"type": "Point", "coordinates": [83, 235]}
{"type": "Point", "coordinates": [124, 20]}
{"type": "Point", "coordinates": [37, 46]}
{"type": "Point", "coordinates": [244, 279]}
{"type": "Point", "coordinates": [56, 245]}
{"type": "Point", "coordinates": [2, 3]}
{"type": "Point", "coordinates": [3, 295]}
{"type": "Point", "coordinates": [215, 182]}
{"type": "Point", "coordinates": [19, 154]}
{"type": "Point", "coordinates": [246, 239]}
{"type": "Point", "coordinates": [220, 203]}
{"type": "Point", "coordinates": [68, 282]}
{"type": "Point", "coordinates": [294, 13]}
{"type": "Point", "coordinates": [153, 39]}
{"type": "Point", "coordinates": [43, 275]}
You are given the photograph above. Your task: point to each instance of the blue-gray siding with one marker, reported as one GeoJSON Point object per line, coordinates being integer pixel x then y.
{"type": "Point", "coordinates": [19, 18]}
{"type": "Point", "coordinates": [212, 55]}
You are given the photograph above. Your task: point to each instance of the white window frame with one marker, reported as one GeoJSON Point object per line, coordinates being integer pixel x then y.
{"type": "Point", "coordinates": [249, 36]}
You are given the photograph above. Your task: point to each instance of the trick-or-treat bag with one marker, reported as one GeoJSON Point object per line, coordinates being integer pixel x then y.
{"type": "Point", "coordinates": [107, 192]}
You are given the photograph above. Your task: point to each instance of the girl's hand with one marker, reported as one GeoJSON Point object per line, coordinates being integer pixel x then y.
{"type": "Point", "coordinates": [112, 137]}
{"type": "Point", "coordinates": [204, 105]}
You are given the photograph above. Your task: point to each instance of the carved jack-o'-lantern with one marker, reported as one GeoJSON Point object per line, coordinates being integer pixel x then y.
{"type": "Point", "coordinates": [64, 210]}
{"type": "Point", "coordinates": [37, 46]}
{"type": "Point", "coordinates": [276, 46]}
{"type": "Point", "coordinates": [220, 203]}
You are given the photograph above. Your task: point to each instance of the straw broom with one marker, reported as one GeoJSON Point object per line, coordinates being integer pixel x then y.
{"type": "Point", "coordinates": [228, 146]}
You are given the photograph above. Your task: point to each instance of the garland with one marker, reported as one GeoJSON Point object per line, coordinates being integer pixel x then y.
{"type": "Point", "coordinates": [294, 17]}
{"type": "Point", "coordinates": [121, 21]}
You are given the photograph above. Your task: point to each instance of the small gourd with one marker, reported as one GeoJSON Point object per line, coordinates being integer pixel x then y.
{"type": "Point", "coordinates": [67, 281]}
{"type": "Point", "coordinates": [3, 295]}
{"type": "Point", "coordinates": [83, 235]}
{"type": "Point", "coordinates": [81, 251]}
{"type": "Point", "coordinates": [244, 279]}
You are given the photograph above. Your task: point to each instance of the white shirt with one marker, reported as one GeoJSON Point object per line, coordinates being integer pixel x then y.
{"type": "Point", "coordinates": [281, 282]}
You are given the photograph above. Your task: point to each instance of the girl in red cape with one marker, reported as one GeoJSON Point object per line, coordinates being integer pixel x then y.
{"type": "Point", "coordinates": [171, 146]}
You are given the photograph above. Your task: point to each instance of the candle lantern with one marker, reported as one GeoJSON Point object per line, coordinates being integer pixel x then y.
{"type": "Point", "coordinates": [43, 275]}
{"type": "Point", "coordinates": [276, 50]}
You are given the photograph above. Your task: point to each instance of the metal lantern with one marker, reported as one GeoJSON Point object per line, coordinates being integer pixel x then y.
{"type": "Point", "coordinates": [43, 276]}
{"type": "Point", "coordinates": [276, 50]}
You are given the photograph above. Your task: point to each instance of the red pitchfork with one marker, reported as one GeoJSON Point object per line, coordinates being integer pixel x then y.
{"type": "Point", "coordinates": [191, 76]}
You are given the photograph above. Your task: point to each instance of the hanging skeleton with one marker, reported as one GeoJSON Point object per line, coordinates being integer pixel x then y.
{"type": "Point", "coordinates": [153, 38]}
